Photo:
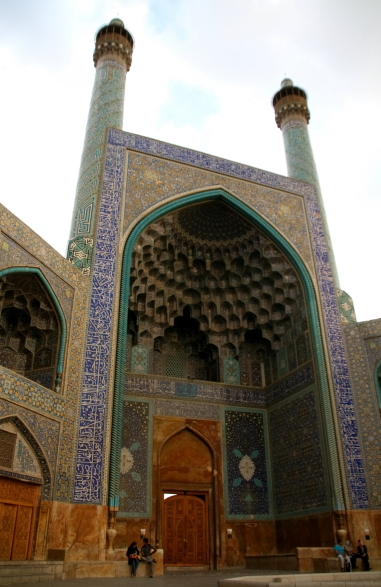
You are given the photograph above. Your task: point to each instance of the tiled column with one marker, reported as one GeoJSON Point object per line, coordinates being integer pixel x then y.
{"type": "Point", "coordinates": [292, 116]}
{"type": "Point", "coordinates": [112, 59]}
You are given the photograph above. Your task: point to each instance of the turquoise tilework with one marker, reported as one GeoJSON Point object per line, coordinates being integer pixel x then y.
{"type": "Point", "coordinates": [139, 359]}
{"type": "Point", "coordinates": [106, 110]}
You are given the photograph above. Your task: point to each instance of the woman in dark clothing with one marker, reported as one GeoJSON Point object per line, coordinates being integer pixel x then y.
{"type": "Point", "coordinates": [133, 557]}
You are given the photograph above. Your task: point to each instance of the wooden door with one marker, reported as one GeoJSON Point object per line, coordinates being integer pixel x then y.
{"type": "Point", "coordinates": [185, 531]}
{"type": "Point", "coordinates": [18, 502]}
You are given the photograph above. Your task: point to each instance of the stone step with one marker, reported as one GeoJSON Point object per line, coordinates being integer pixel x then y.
{"type": "Point", "coordinates": [29, 571]}
{"type": "Point", "coordinates": [359, 579]}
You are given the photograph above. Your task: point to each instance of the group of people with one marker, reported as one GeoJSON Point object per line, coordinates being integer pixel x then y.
{"type": "Point", "coordinates": [135, 558]}
{"type": "Point", "coordinates": [348, 555]}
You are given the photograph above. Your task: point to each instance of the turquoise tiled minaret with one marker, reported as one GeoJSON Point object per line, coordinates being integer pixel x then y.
{"type": "Point", "coordinates": [112, 59]}
{"type": "Point", "coordinates": [292, 117]}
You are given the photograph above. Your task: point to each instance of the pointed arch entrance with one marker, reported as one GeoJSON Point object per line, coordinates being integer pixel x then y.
{"type": "Point", "coordinates": [24, 477]}
{"type": "Point", "coordinates": [186, 506]}
{"type": "Point", "coordinates": [254, 354]}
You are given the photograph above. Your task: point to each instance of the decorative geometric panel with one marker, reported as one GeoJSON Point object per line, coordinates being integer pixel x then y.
{"type": "Point", "coordinates": [135, 467]}
{"type": "Point", "coordinates": [187, 409]}
{"type": "Point", "coordinates": [186, 389]}
{"type": "Point", "coordinates": [247, 486]}
{"type": "Point", "coordinates": [175, 366]}
{"type": "Point", "coordinates": [85, 219]}
{"type": "Point", "coordinates": [231, 371]}
{"type": "Point", "coordinates": [297, 462]}
{"type": "Point", "coordinates": [139, 359]}
{"type": "Point", "coordinates": [80, 253]}
{"type": "Point", "coordinates": [7, 448]}
{"type": "Point", "coordinates": [347, 308]}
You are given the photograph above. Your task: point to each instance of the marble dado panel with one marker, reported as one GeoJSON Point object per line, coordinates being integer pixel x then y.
{"type": "Point", "coordinates": [151, 180]}
{"type": "Point", "coordinates": [11, 226]}
{"type": "Point", "coordinates": [20, 390]}
{"type": "Point", "coordinates": [45, 430]}
{"type": "Point", "coordinates": [364, 350]}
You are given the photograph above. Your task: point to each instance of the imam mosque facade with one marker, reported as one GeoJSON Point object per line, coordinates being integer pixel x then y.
{"type": "Point", "coordinates": [192, 370]}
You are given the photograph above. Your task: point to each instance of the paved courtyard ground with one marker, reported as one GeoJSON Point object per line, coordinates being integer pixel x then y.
{"type": "Point", "coordinates": [209, 579]}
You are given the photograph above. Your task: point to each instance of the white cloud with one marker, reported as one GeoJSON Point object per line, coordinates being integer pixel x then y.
{"type": "Point", "coordinates": [236, 53]}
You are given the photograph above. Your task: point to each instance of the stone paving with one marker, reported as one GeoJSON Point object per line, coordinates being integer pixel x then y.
{"type": "Point", "coordinates": [195, 579]}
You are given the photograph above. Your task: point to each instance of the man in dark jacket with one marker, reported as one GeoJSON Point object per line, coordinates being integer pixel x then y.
{"type": "Point", "coordinates": [362, 552]}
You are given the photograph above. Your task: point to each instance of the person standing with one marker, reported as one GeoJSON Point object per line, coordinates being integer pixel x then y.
{"type": "Point", "coordinates": [147, 551]}
{"type": "Point", "coordinates": [339, 549]}
{"type": "Point", "coordinates": [133, 557]}
{"type": "Point", "coordinates": [362, 552]}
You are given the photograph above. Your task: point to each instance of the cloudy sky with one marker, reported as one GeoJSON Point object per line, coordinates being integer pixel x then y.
{"type": "Point", "coordinates": [203, 75]}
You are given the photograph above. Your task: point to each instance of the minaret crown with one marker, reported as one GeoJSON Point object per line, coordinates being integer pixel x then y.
{"type": "Point", "coordinates": [114, 41]}
{"type": "Point", "coordinates": [290, 103]}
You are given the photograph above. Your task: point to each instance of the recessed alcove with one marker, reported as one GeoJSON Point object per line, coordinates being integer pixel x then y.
{"type": "Point", "coordinates": [213, 299]}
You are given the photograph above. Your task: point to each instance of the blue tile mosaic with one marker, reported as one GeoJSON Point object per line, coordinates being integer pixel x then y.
{"type": "Point", "coordinates": [246, 464]}
{"type": "Point", "coordinates": [94, 398]}
{"type": "Point", "coordinates": [93, 415]}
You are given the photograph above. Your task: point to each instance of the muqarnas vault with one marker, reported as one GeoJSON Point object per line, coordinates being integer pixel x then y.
{"type": "Point", "coordinates": [192, 369]}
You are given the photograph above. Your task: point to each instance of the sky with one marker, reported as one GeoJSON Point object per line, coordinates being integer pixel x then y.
{"type": "Point", "coordinates": [203, 75]}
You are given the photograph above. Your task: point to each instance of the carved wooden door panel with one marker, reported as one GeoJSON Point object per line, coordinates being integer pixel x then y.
{"type": "Point", "coordinates": [22, 533]}
{"type": "Point", "coordinates": [185, 531]}
{"type": "Point", "coordinates": [8, 514]}
{"type": "Point", "coordinates": [18, 502]}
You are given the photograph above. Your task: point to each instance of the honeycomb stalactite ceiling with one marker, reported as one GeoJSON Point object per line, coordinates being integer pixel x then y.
{"type": "Point", "coordinates": [29, 328]}
{"type": "Point", "coordinates": [230, 274]}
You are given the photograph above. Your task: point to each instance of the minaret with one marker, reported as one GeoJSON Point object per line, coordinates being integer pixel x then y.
{"type": "Point", "coordinates": [112, 59]}
{"type": "Point", "coordinates": [292, 117]}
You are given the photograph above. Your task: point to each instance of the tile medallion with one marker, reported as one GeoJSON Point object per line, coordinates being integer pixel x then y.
{"type": "Point", "coordinates": [247, 478]}
{"type": "Point", "coordinates": [136, 459]}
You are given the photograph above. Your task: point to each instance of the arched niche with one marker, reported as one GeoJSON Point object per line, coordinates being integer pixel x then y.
{"type": "Point", "coordinates": [186, 458]}
{"type": "Point", "coordinates": [203, 281]}
{"type": "Point", "coordinates": [187, 467]}
{"type": "Point", "coordinates": [32, 326]}
{"type": "Point", "coordinates": [297, 269]}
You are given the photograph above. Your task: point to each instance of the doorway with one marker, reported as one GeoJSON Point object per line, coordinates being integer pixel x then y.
{"type": "Point", "coordinates": [186, 535]}
{"type": "Point", "coordinates": [187, 474]}
{"type": "Point", "coordinates": [18, 502]}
